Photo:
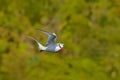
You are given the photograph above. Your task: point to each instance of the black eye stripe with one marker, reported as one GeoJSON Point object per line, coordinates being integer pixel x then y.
{"type": "Point", "coordinates": [59, 46]}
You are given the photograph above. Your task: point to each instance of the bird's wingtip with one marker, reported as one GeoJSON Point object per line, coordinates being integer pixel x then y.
{"type": "Point", "coordinates": [54, 34]}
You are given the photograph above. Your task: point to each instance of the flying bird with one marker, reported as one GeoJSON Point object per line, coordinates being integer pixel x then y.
{"type": "Point", "coordinates": [51, 45]}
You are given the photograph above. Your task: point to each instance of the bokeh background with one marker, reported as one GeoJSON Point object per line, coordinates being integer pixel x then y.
{"type": "Point", "coordinates": [89, 29]}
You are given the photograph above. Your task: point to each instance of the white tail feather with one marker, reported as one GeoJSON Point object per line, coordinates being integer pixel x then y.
{"type": "Point", "coordinates": [41, 47]}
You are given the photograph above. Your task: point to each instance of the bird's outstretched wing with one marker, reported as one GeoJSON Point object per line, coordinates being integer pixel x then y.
{"type": "Point", "coordinates": [51, 37]}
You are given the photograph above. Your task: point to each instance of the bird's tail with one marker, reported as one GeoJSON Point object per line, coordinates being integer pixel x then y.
{"type": "Point", "coordinates": [41, 47]}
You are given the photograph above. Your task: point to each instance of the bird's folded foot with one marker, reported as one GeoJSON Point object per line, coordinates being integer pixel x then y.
{"type": "Point", "coordinates": [41, 50]}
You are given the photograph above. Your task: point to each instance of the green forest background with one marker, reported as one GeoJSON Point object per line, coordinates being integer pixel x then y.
{"type": "Point", "coordinates": [89, 30]}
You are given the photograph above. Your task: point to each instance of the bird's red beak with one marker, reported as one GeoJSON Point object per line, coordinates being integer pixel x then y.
{"type": "Point", "coordinates": [62, 48]}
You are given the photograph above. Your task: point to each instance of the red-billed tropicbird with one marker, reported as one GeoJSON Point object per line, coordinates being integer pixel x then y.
{"type": "Point", "coordinates": [51, 45]}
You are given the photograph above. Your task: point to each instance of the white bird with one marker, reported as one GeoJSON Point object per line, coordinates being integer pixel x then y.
{"type": "Point", "coordinates": [51, 45]}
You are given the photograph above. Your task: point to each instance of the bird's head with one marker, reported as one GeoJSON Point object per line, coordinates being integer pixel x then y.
{"type": "Point", "coordinates": [61, 46]}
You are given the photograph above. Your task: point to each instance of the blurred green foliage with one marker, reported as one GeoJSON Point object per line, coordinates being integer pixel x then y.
{"type": "Point", "coordinates": [89, 29]}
